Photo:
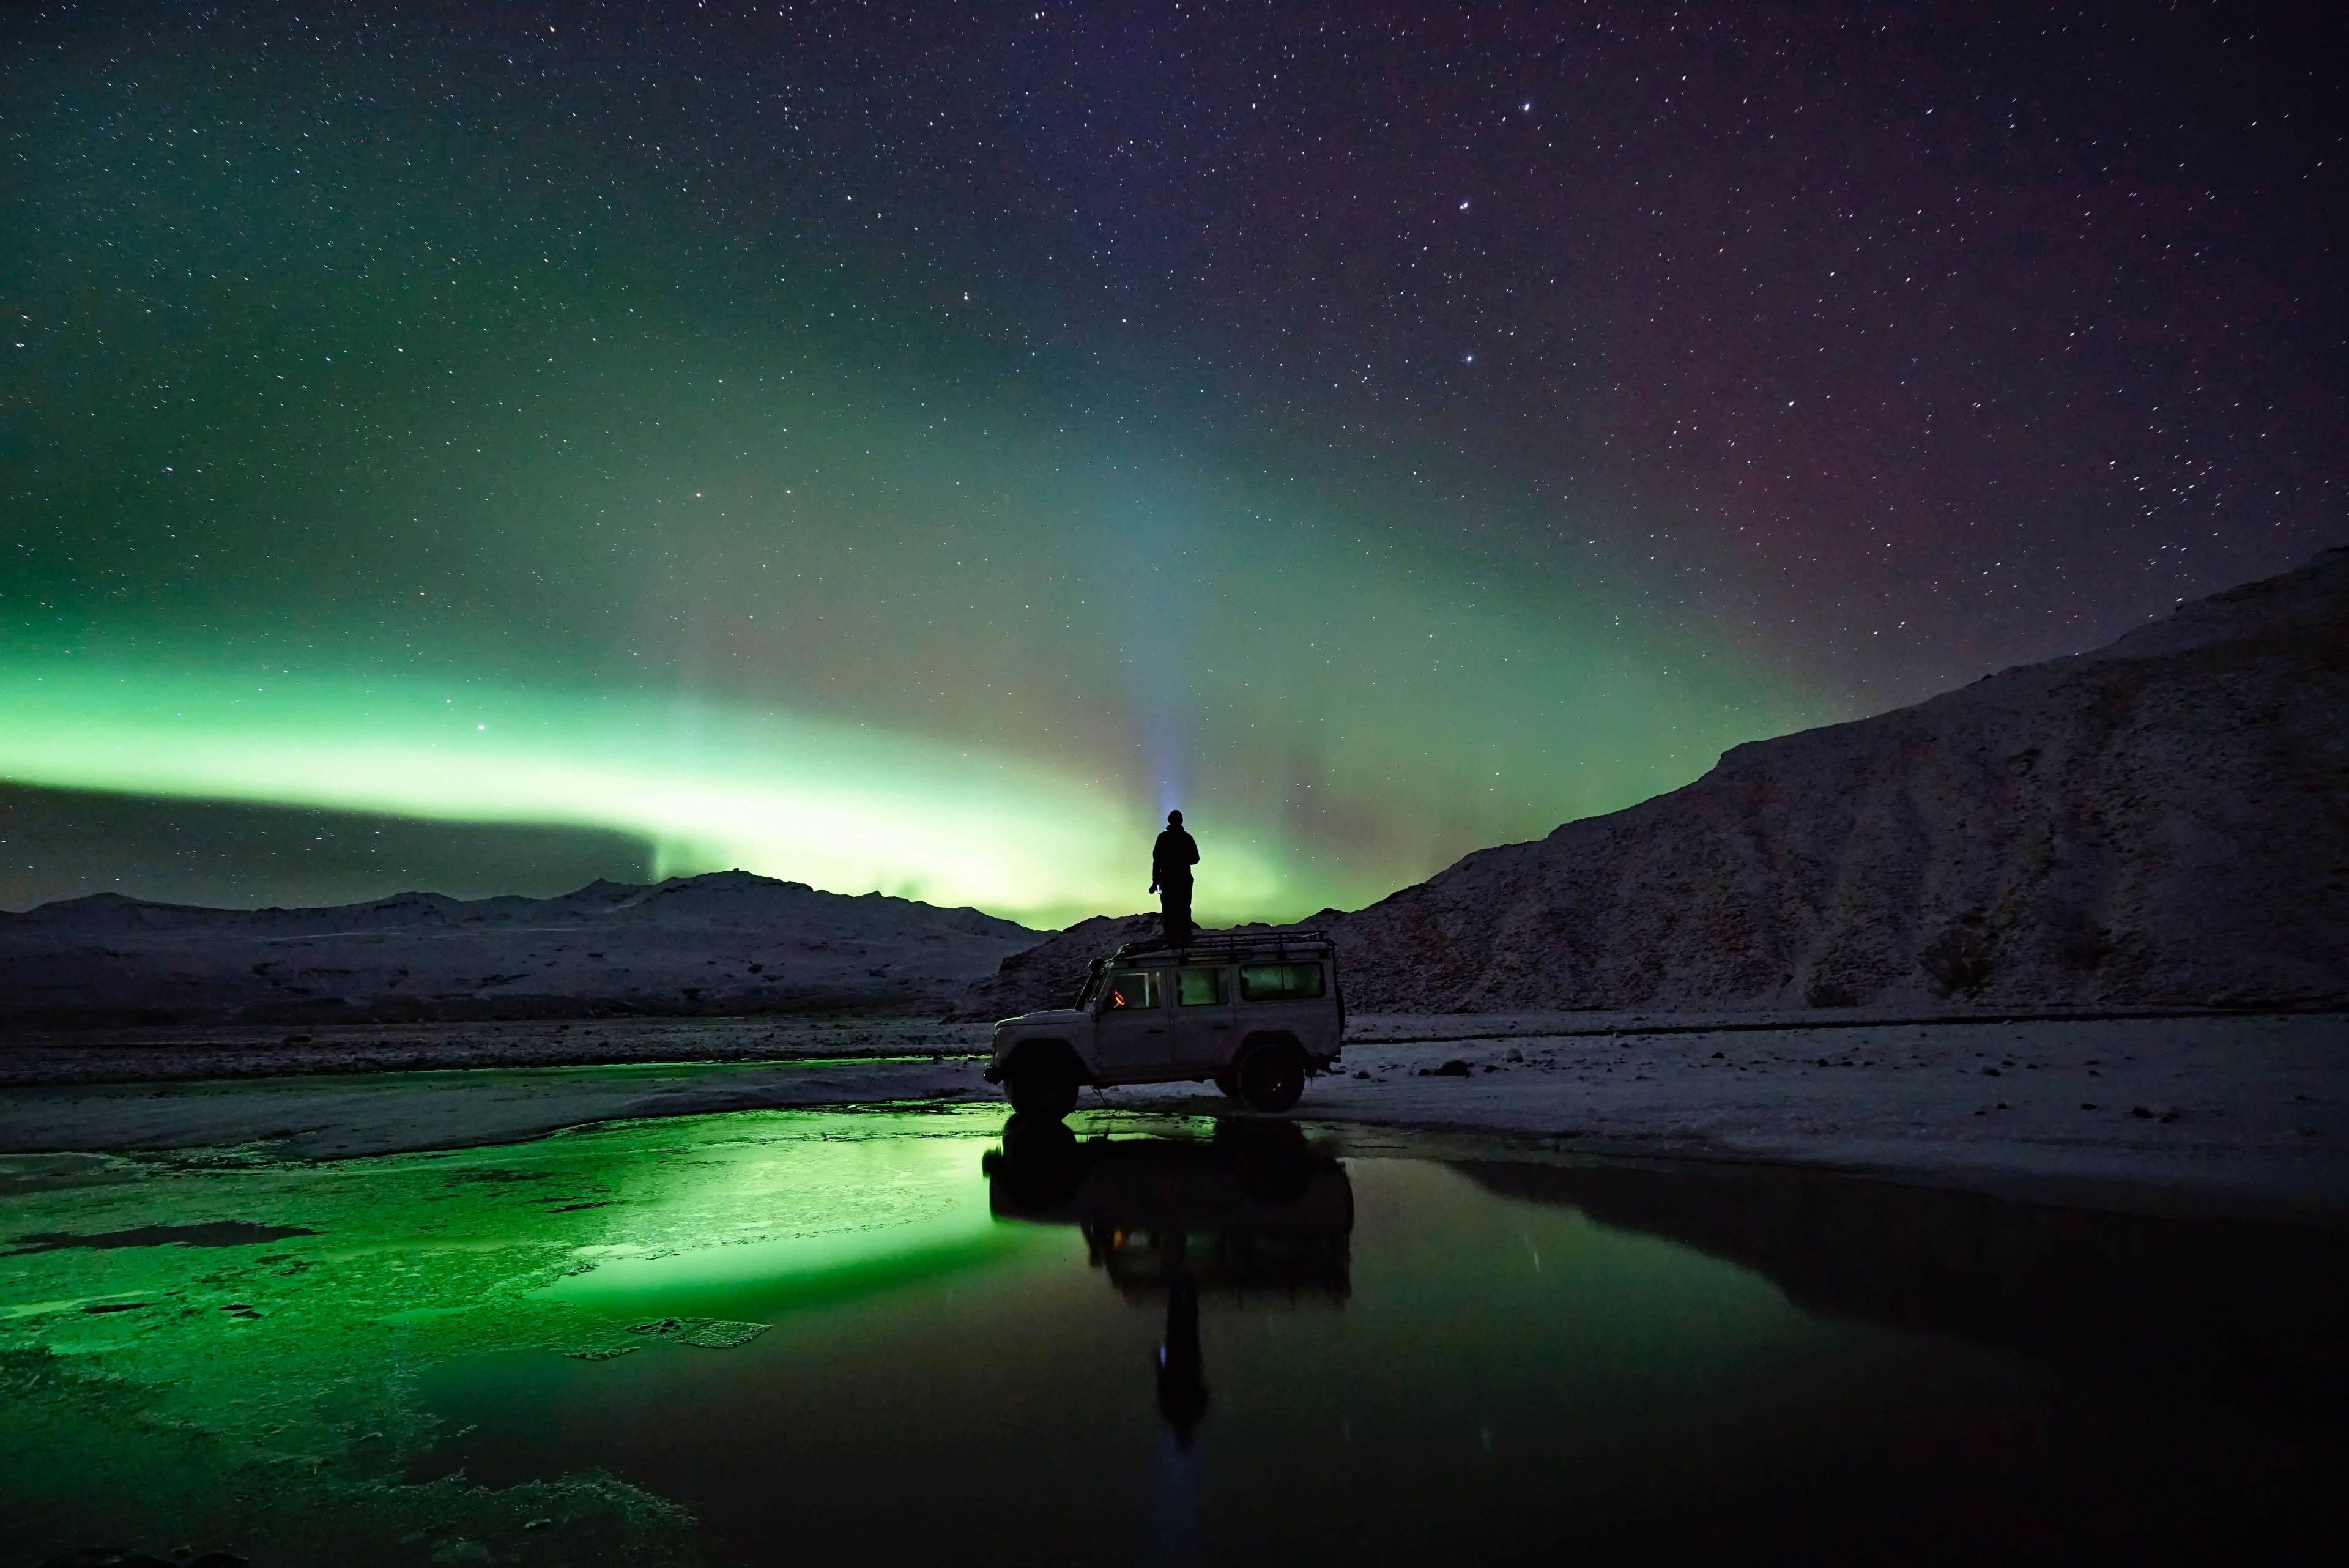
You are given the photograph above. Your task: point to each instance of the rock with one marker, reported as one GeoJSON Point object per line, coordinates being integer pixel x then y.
{"type": "Point", "coordinates": [2140, 1113]}
{"type": "Point", "coordinates": [1455, 1068]}
{"type": "Point", "coordinates": [1958, 960]}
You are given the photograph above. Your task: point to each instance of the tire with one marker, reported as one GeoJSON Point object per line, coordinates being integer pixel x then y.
{"type": "Point", "coordinates": [1229, 1083]}
{"type": "Point", "coordinates": [1044, 1087]}
{"type": "Point", "coordinates": [1271, 1077]}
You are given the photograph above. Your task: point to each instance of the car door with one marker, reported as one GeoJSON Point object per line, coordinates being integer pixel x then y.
{"type": "Point", "coordinates": [1130, 1031]}
{"type": "Point", "coordinates": [1202, 1015]}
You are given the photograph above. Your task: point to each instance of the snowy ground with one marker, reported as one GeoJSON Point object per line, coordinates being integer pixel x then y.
{"type": "Point", "coordinates": [146, 1056]}
{"type": "Point", "coordinates": [2239, 1115]}
{"type": "Point", "coordinates": [2247, 1115]}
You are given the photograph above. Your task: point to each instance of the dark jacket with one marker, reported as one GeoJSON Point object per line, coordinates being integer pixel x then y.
{"type": "Point", "coordinates": [1172, 857]}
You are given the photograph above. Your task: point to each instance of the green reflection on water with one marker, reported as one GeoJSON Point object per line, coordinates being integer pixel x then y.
{"type": "Point", "coordinates": [1489, 1377]}
{"type": "Point", "coordinates": [281, 1375]}
{"type": "Point", "coordinates": [1492, 1357]}
{"type": "Point", "coordinates": [849, 1213]}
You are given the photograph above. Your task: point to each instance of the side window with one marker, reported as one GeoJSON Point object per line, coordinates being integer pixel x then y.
{"type": "Point", "coordinates": [1280, 981]}
{"type": "Point", "coordinates": [1199, 987]}
{"type": "Point", "coordinates": [1133, 988]}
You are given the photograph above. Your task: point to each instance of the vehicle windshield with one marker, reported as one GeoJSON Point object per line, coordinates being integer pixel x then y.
{"type": "Point", "coordinates": [1091, 993]}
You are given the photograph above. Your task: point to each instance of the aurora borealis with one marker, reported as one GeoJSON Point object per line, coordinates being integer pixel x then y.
{"type": "Point", "coordinates": [912, 450]}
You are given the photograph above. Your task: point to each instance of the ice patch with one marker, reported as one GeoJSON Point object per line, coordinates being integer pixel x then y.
{"type": "Point", "coordinates": [708, 1333]}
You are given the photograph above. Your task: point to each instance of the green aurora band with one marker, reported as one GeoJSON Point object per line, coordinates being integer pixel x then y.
{"type": "Point", "coordinates": [452, 488]}
{"type": "Point", "coordinates": [879, 658]}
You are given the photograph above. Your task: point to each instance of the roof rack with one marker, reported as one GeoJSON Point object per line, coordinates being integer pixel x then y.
{"type": "Point", "coordinates": [1227, 944]}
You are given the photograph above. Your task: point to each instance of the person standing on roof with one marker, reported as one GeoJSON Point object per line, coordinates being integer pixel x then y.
{"type": "Point", "coordinates": [1171, 859]}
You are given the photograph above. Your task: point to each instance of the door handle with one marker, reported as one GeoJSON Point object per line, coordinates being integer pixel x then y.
{"type": "Point", "coordinates": [1158, 1029]}
{"type": "Point", "coordinates": [1222, 1026]}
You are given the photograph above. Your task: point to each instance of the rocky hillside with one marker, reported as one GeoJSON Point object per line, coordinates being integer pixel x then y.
{"type": "Point", "coordinates": [725, 943]}
{"type": "Point", "coordinates": [2163, 821]}
{"type": "Point", "coordinates": [1051, 973]}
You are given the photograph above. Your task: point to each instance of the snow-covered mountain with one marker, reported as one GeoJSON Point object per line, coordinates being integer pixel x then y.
{"type": "Point", "coordinates": [2162, 822]}
{"type": "Point", "coordinates": [728, 943]}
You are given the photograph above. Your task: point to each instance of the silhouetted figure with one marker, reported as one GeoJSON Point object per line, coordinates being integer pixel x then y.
{"type": "Point", "coordinates": [1182, 1369]}
{"type": "Point", "coordinates": [1171, 859]}
{"type": "Point", "coordinates": [1255, 1213]}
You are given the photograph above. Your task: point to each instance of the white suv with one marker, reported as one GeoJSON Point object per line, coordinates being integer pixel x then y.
{"type": "Point", "coordinates": [1257, 1013]}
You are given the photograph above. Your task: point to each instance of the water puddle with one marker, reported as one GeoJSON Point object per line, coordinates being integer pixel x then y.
{"type": "Point", "coordinates": [1226, 1345]}
{"type": "Point", "coordinates": [901, 1338]}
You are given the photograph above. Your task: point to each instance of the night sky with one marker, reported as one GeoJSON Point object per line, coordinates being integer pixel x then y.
{"type": "Point", "coordinates": [913, 447]}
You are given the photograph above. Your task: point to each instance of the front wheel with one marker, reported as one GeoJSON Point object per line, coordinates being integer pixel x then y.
{"type": "Point", "coordinates": [1044, 1087]}
{"type": "Point", "coordinates": [1271, 1077]}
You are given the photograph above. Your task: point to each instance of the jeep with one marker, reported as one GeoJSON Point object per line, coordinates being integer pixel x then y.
{"type": "Point", "coordinates": [1255, 1013]}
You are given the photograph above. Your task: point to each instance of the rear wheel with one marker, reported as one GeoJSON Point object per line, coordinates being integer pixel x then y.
{"type": "Point", "coordinates": [1272, 1077]}
{"type": "Point", "coordinates": [1044, 1087]}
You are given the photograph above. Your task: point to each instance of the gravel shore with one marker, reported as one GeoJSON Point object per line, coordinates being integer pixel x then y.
{"type": "Point", "coordinates": [2244, 1115]}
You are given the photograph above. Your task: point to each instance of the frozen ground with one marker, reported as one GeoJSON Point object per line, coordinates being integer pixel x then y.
{"type": "Point", "coordinates": [142, 1055]}
{"type": "Point", "coordinates": [2226, 1114]}
{"type": "Point", "coordinates": [2223, 1114]}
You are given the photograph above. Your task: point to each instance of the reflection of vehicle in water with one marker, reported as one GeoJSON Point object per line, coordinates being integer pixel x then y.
{"type": "Point", "coordinates": [1256, 1011]}
{"type": "Point", "coordinates": [1251, 1213]}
